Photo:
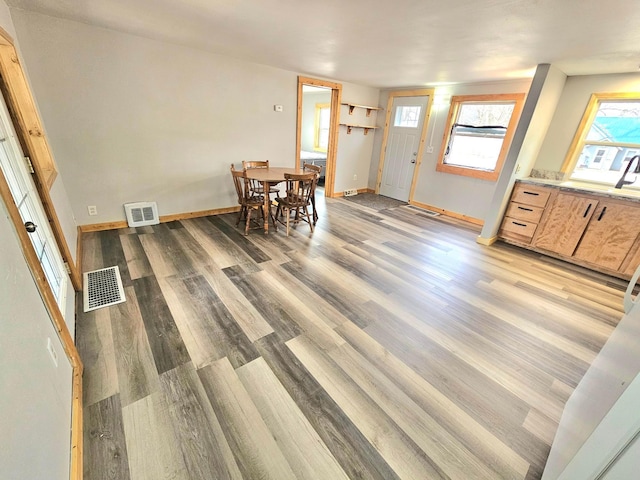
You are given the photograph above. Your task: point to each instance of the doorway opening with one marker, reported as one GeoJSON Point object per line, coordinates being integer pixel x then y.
{"type": "Point", "coordinates": [317, 134]}
{"type": "Point", "coordinates": [403, 141]}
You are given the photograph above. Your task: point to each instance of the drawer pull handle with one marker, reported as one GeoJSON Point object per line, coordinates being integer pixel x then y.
{"type": "Point", "coordinates": [530, 193]}
{"type": "Point", "coordinates": [526, 209]}
{"type": "Point", "coordinates": [602, 213]}
{"type": "Point", "coordinates": [519, 224]}
{"type": "Point", "coordinates": [586, 212]}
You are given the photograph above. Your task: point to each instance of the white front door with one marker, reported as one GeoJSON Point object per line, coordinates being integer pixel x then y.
{"type": "Point", "coordinates": [24, 193]}
{"type": "Point", "coordinates": [403, 141]}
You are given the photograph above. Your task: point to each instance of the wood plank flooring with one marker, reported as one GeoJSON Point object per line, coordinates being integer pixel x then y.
{"type": "Point", "coordinates": [385, 345]}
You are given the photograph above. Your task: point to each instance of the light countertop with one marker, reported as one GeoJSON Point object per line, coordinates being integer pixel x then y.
{"type": "Point", "coordinates": [623, 193]}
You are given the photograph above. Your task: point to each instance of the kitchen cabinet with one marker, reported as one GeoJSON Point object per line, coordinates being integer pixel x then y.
{"type": "Point", "coordinates": [524, 212]}
{"type": "Point", "coordinates": [566, 220]}
{"type": "Point", "coordinates": [612, 231]}
{"type": "Point", "coordinates": [595, 230]}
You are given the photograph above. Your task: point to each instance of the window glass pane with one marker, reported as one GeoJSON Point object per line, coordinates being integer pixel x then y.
{"type": "Point", "coordinates": [479, 114]}
{"type": "Point", "coordinates": [407, 116]}
{"type": "Point", "coordinates": [476, 137]}
{"type": "Point", "coordinates": [617, 125]}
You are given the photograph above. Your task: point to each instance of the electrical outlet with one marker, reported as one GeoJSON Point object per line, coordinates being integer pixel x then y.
{"type": "Point", "coordinates": [430, 149]}
{"type": "Point", "coordinates": [52, 352]}
{"type": "Point", "coordinates": [278, 108]}
{"type": "Point", "coordinates": [355, 177]}
{"type": "Point", "coordinates": [93, 210]}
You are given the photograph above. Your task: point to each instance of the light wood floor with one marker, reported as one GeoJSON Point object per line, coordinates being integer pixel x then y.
{"type": "Point", "coordinates": [386, 345]}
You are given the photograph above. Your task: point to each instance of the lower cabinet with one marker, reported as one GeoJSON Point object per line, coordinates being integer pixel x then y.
{"type": "Point", "coordinates": [565, 223]}
{"type": "Point", "coordinates": [610, 234]}
{"type": "Point", "coordinates": [591, 230]}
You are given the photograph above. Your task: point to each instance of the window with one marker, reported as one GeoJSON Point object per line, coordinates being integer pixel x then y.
{"type": "Point", "coordinates": [607, 139]}
{"type": "Point", "coordinates": [323, 122]}
{"type": "Point", "coordinates": [407, 116]}
{"type": "Point", "coordinates": [478, 133]}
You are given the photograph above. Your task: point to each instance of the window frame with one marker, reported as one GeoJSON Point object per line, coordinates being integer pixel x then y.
{"type": "Point", "coordinates": [580, 137]}
{"type": "Point", "coordinates": [456, 102]}
{"type": "Point", "coordinates": [316, 127]}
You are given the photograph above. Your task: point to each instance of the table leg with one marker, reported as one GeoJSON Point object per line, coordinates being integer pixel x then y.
{"type": "Point", "coordinates": [266, 207]}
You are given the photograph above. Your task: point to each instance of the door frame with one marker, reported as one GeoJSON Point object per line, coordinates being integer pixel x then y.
{"type": "Point", "coordinates": [30, 133]}
{"type": "Point", "coordinates": [422, 92]}
{"type": "Point", "coordinates": [332, 149]}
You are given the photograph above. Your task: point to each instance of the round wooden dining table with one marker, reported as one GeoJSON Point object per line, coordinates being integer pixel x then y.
{"type": "Point", "coordinates": [270, 176]}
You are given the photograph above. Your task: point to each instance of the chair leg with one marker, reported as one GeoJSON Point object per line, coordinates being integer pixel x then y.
{"type": "Point", "coordinates": [288, 215]}
{"type": "Point", "coordinates": [242, 211]}
{"type": "Point", "coordinates": [315, 212]}
{"type": "Point", "coordinates": [248, 222]}
{"type": "Point", "coordinates": [309, 219]}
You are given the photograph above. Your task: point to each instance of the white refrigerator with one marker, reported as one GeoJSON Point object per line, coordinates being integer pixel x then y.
{"type": "Point", "coordinates": [599, 432]}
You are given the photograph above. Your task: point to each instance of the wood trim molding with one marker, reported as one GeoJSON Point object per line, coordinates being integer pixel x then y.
{"type": "Point", "coordinates": [427, 92]}
{"type": "Point", "coordinates": [98, 227]}
{"type": "Point", "coordinates": [448, 213]}
{"type": "Point", "coordinates": [456, 101]}
{"type": "Point", "coordinates": [360, 190]}
{"type": "Point", "coordinates": [587, 119]}
{"type": "Point", "coordinates": [34, 143]}
{"type": "Point", "coordinates": [77, 426]}
{"type": "Point", "coordinates": [332, 148]}
{"type": "Point", "coordinates": [487, 242]}
{"type": "Point", "coordinates": [202, 213]}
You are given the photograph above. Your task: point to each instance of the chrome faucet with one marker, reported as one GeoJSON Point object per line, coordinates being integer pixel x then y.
{"type": "Point", "coordinates": [622, 181]}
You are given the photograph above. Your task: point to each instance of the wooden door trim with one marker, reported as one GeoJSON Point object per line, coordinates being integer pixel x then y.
{"type": "Point", "coordinates": [422, 92]}
{"type": "Point", "coordinates": [332, 149]}
{"type": "Point", "coordinates": [28, 128]}
{"type": "Point", "coordinates": [34, 143]}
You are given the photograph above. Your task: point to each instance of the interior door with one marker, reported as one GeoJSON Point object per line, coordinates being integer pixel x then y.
{"type": "Point", "coordinates": [403, 142]}
{"type": "Point", "coordinates": [25, 196]}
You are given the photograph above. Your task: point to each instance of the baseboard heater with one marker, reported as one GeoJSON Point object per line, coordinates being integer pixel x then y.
{"type": "Point", "coordinates": [140, 214]}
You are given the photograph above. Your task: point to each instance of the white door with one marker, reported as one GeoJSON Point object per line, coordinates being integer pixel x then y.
{"type": "Point", "coordinates": [23, 190]}
{"type": "Point", "coordinates": [403, 140]}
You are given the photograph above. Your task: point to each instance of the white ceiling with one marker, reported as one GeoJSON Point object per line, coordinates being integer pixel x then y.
{"type": "Point", "coordinates": [385, 43]}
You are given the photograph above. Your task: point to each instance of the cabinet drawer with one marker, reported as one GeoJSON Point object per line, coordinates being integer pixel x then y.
{"type": "Point", "coordinates": [517, 229]}
{"type": "Point", "coordinates": [530, 195]}
{"type": "Point", "coordinates": [521, 211]}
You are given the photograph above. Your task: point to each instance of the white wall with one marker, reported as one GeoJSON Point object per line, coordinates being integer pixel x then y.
{"type": "Point", "coordinates": [355, 150]}
{"type": "Point", "coordinates": [309, 101]}
{"type": "Point", "coordinates": [35, 404]}
{"type": "Point", "coordinates": [133, 119]}
{"type": "Point", "coordinates": [573, 102]}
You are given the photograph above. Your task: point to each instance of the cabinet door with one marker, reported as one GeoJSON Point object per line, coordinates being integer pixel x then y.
{"type": "Point", "coordinates": [564, 224]}
{"type": "Point", "coordinates": [610, 234]}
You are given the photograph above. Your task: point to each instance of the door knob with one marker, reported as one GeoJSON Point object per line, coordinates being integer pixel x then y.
{"type": "Point", "coordinates": [30, 226]}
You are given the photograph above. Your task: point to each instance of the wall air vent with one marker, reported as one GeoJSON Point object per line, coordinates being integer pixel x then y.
{"type": "Point", "coordinates": [141, 213]}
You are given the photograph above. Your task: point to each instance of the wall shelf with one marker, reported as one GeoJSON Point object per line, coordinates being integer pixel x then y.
{"type": "Point", "coordinates": [365, 127]}
{"type": "Point", "coordinates": [353, 106]}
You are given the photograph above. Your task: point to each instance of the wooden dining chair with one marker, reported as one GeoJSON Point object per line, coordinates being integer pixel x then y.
{"type": "Point", "coordinates": [256, 185]}
{"type": "Point", "coordinates": [248, 200]}
{"type": "Point", "coordinates": [317, 169]}
{"type": "Point", "coordinates": [300, 189]}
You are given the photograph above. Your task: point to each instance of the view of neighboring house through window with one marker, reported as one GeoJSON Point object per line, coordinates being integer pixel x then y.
{"type": "Point", "coordinates": [478, 134]}
{"type": "Point", "coordinates": [323, 122]}
{"type": "Point", "coordinates": [609, 140]}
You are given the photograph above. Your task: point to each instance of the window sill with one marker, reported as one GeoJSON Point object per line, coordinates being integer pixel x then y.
{"type": "Point", "coordinates": [490, 175]}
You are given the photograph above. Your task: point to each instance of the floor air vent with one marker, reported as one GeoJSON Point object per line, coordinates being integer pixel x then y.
{"type": "Point", "coordinates": [141, 213]}
{"type": "Point", "coordinates": [102, 288]}
{"type": "Point", "coordinates": [429, 213]}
